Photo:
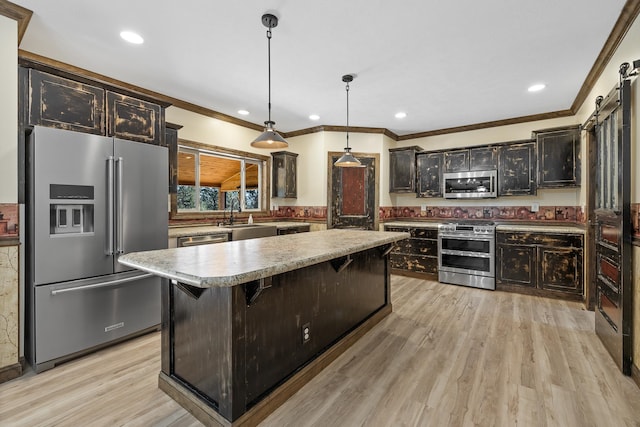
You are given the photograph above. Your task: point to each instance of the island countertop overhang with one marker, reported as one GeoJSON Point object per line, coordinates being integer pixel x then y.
{"type": "Point", "coordinates": [236, 262]}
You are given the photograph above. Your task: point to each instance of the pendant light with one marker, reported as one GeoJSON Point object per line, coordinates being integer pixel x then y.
{"type": "Point", "coordinates": [269, 138]}
{"type": "Point", "coordinates": [347, 160]}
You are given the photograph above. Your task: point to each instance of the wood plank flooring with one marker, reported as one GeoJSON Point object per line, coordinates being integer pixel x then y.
{"type": "Point", "coordinates": [446, 356]}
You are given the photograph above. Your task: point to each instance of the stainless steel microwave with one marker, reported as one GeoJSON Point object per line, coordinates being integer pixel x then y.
{"type": "Point", "coordinates": [470, 185]}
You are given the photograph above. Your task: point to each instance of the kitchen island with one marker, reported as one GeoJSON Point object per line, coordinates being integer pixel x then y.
{"type": "Point", "coordinates": [245, 324]}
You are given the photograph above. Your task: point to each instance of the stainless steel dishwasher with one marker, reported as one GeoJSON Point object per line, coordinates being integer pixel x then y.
{"type": "Point", "coordinates": [205, 239]}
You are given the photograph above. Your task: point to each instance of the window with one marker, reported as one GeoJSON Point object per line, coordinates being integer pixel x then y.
{"type": "Point", "coordinates": [215, 179]}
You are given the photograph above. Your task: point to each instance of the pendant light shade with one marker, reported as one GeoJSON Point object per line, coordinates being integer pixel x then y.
{"type": "Point", "coordinates": [347, 160]}
{"type": "Point", "coordinates": [269, 138]}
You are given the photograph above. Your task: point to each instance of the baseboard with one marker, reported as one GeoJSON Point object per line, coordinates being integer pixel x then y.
{"type": "Point", "coordinates": [277, 397]}
{"type": "Point", "coordinates": [635, 374]}
{"type": "Point", "coordinates": [415, 274]}
{"type": "Point", "coordinates": [10, 372]}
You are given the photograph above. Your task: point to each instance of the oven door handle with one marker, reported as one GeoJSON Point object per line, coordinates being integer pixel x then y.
{"type": "Point", "coordinates": [466, 253]}
{"type": "Point", "coordinates": [484, 238]}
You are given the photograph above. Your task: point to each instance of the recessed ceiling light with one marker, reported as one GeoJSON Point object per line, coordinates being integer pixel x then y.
{"type": "Point", "coordinates": [243, 112]}
{"type": "Point", "coordinates": [401, 115]}
{"type": "Point", "coordinates": [536, 87]}
{"type": "Point", "coordinates": [132, 37]}
{"type": "Point", "coordinates": [314, 117]}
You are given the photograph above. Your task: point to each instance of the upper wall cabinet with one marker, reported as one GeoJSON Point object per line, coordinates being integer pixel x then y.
{"type": "Point", "coordinates": [65, 104]}
{"type": "Point", "coordinates": [456, 161]}
{"type": "Point", "coordinates": [134, 119]}
{"type": "Point", "coordinates": [559, 158]}
{"type": "Point", "coordinates": [483, 158]}
{"type": "Point", "coordinates": [472, 159]}
{"type": "Point", "coordinates": [429, 171]}
{"type": "Point", "coordinates": [402, 169]}
{"type": "Point", "coordinates": [284, 174]}
{"type": "Point", "coordinates": [517, 169]}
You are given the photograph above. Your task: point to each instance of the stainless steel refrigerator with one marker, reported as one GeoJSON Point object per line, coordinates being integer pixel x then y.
{"type": "Point", "coordinates": [90, 199]}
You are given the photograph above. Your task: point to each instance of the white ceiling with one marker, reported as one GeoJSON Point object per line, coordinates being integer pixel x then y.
{"type": "Point", "coordinates": [444, 63]}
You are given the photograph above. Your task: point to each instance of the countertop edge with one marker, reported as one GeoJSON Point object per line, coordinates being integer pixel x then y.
{"type": "Point", "coordinates": [199, 230]}
{"type": "Point", "coordinates": [259, 273]}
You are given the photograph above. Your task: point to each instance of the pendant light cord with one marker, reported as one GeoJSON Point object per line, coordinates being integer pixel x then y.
{"type": "Point", "coordinates": [269, 69]}
{"type": "Point", "coordinates": [347, 88]}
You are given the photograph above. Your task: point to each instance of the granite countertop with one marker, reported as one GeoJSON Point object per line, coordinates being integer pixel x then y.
{"type": "Point", "coordinates": [233, 263]}
{"type": "Point", "coordinates": [561, 229]}
{"type": "Point", "coordinates": [201, 230]}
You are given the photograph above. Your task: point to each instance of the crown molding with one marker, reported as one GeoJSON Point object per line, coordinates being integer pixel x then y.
{"type": "Point", "coordinates": [18, 13]}
{"type": "Point", "coordinates": [630, 12]}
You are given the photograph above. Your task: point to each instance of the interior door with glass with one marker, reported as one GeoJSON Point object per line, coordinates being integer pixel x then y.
{"type": "Point", "coordinates": [613, 312]}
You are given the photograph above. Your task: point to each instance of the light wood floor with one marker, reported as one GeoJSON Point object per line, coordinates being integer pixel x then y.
{"type": "Point", "coordinates": [446, 356]}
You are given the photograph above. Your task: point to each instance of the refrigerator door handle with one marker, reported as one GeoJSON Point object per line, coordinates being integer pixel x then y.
{"type": "Point", "coordinates": [120, 231]}
{"type": "Point", "coordinates": [100, 285]}
{"type": "Point", "coordinates": [110, 201]}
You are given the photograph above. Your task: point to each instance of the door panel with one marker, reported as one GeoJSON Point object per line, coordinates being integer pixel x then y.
{"type": "Point", "coordinates": [63, 325]}
{"type": "Point", "coordinates": [613, 225]}
{"type": "Point", "coordinates": [352, 194]}
{"type": "Point", "coordinates": [68, 187]}
{"type": "Point", "coordinates": [141, 205]}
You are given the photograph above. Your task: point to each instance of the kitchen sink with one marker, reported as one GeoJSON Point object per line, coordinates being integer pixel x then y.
{"type": "Point", "coordinates": [251, 231]}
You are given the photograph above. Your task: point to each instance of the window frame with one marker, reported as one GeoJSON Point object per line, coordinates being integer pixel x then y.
{"type": "Point", "coordinates": [246, 158]}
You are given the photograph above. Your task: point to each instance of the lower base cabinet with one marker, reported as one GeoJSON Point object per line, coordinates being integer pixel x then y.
{"type": "Point", "coordinates": [418, 254]}
{"type": "Point", "coordinates": [293, 230]}
{"type": "Point", "coordinates": [542, 264]}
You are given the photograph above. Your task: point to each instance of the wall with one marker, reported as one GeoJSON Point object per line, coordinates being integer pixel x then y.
{"type": "Point", "coordinates": [9, 278]}
{"type": "Point", "coordinates": [8, 110]}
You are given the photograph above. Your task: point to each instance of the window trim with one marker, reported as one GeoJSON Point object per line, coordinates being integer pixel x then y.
{"type": "Point", "coordinates": [264, 163]}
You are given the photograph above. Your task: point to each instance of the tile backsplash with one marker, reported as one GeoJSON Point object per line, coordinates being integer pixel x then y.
{"type": "Point", "coordinates": [387, 213]}
{"type": "Point", "coordinates": [303, 212]}
{"type": "Point", "coordinates": [9, 220]}
{"type": "Point", "coordinates": [520, 213]}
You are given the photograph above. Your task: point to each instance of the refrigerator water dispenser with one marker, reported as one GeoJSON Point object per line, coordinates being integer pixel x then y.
{"type": "Point", "coordinates": [66, 217]}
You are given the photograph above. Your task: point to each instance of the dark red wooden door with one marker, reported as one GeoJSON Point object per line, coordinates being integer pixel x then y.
{"type": "Point", "coordinates": [352, 195]}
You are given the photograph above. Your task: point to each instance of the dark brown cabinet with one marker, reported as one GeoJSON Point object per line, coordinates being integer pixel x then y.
{"type": "Point", "coordinates": [418, 254]}
{"type": "Point", "coordinates": [559, 158]}
{"type": "Point", "coordinates": [483, 158]}
{"type": "Point", "coordinates": [456, 161]}
{"type": "Point", "coordinates": [171, 141]}
{"type": "Point", "coordinates": [545, 264]}
{"type": "Point", "coordinates": [472, 159]}
{"type": "Point", "coordinates": [429, 173]}
{"type": "Point", "coordinates": [293, 230]}
{"type": "Point", "coordinates": [134, 119]}
{"type": "Point", "coordinates": [65, 104]}
{"type": "Point", "coordinates": [517, 169]}
{"type": "Point", "coordinates": [284, 174]}
{"type": "Point", "coordinates": [516, 265]}
{"type": "Point", "coordinates": [402, 169]}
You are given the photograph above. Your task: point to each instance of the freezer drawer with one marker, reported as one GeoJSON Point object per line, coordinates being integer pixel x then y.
{"type": "Point", "coordinates": [76, 316]}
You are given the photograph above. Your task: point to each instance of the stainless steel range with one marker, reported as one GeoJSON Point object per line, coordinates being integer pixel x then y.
{"type": "Point", "coordinates": [466, 254]}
